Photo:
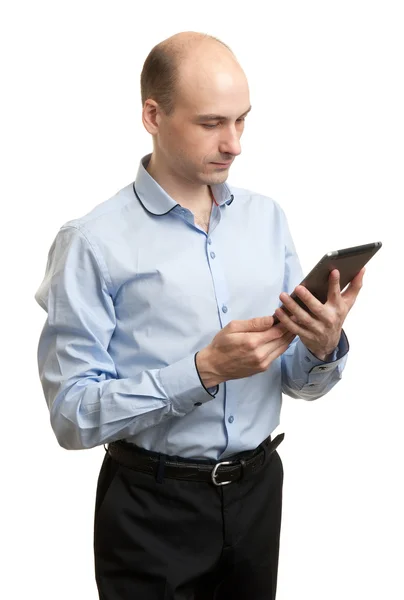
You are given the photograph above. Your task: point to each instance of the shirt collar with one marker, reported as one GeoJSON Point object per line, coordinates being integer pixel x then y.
{"type": "Point", "coordinates": [157, 202]}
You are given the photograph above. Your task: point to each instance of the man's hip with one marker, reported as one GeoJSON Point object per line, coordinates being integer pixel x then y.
{"type": "Point", "coordinates": [160, 536]}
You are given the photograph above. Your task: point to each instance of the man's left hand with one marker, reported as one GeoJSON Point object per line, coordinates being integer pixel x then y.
{"type": "Point", "coordinates": [320, 330]}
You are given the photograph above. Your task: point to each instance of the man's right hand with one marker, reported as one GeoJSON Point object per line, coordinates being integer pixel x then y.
{"type": "Point", "coordinates": [241, 349]}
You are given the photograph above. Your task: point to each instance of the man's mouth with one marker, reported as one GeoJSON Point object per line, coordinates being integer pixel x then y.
{"type": "Point", "coordinates": [222, 164]}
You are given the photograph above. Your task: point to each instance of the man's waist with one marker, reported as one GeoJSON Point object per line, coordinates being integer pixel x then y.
{"type": "Point", "coordinates": [219, 473]}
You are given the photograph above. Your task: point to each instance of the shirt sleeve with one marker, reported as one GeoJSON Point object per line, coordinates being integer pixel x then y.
{"type": "Point", "coordinates": [89, 403]}
{"type": "Point", "coordinates": [303, 374]}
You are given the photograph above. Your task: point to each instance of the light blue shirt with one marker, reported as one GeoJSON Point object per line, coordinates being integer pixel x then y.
{"type": "Point", "coordinates": [134, 289]}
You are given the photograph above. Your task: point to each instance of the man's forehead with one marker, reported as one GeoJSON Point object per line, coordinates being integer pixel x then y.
{"type": "Point", "coordinates": [214, 77]}
{"type": "Point", "coordinates": [222, 115]}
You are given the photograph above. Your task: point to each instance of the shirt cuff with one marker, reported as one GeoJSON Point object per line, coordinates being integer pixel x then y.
{"type": "Point", "coordinates": [183, 386]}
{"type": "Point", "coordinates": [314, 377]}
{"type": "Point", "coordinates": [311, 364]}
{"type": "Point", "coordinates": [211, 390]}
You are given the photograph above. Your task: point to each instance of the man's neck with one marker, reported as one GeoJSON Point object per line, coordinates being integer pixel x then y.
{"type": "Point", "coordinates": [190, 195]}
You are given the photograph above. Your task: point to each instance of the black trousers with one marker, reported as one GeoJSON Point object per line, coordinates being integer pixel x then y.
{"type": "Point", "coordinates": [181, 540]}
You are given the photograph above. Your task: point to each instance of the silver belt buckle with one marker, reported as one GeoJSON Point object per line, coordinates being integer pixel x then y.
{"type": "Point", "coordinates": [214, 473]}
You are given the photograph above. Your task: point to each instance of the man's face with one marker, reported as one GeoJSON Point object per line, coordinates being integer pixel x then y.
{"type": "Point", "coordinates": [201, 138]}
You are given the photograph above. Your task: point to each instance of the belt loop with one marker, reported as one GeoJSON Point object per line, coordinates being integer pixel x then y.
{"type": "Point", "coordinates": [160, 469]}
{"type": "Point", "coordinates": [264, 447]}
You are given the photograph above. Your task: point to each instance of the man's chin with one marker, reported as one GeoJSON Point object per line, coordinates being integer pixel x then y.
{"type": "Point", "coordinates": [215, 178]}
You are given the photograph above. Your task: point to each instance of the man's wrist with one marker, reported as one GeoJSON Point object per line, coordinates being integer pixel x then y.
{"type": "Point", "coordinates": [323, 356]}
{"type": "Point", "coordinates": [208, 377]}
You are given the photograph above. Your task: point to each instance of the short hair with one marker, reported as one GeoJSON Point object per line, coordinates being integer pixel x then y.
{"type": "Point", "coordinates": [160, 72]}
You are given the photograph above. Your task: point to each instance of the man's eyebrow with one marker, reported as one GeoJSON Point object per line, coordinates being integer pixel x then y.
{"type": "Point", "coordinates": [212, 117]}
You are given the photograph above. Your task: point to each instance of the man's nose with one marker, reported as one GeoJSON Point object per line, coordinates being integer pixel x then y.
{"type": "Point", "coordinates": [230, 141]}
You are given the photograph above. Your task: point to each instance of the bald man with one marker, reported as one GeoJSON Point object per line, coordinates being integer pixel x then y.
{"type": "Point", "coordinates": [159, 344]}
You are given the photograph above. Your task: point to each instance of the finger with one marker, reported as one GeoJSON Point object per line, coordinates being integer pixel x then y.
{"type": "Point", "coordinates": [313, 304]}
{"type": "Point", "coordinates": [279, 350]}
{"type": "Point", "coordinates": [334, 290]}
{"type": "Point", "coordinates": [276, 347]}
{"type": "Point", "coordinates": [248, 325]}
{"type": "Point", "coordinates": [291, 326]}
{"type": "Point", "coordinates": [285, 338]}
{"type": "Point", "coordinates": [289, 338]}
{"type": "Point", "coordinates": [260, 323]}
{"type": "Point", "coordinates": [279, 328]}
{"type": "Point", "coordinates": [297, 313]}
{"type": "Point", "coordinates": [274, 333]}
{"type": "Point", "coordinates": [354, 288]}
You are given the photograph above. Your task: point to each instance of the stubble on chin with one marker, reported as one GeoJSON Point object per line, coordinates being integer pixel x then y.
{"type": "Point", "coordinates": [212, 177]}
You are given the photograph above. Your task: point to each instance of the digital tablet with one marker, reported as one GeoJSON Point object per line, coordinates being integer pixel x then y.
{"type": "Point", "coordinates": [348, 261]}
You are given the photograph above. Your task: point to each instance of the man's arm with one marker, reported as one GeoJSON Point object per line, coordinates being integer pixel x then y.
{"type": "Point", "coordinates": [314, 362]}
{"type": "Point", "coordinates": [89, 403]}
{"type": "Point", "coordinates": [307, 377]}
{"type": "Point", "coordinates": [320, 333]}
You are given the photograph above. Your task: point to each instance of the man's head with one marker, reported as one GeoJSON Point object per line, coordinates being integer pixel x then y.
{"type": "Point", "coordinates": [195, 97]}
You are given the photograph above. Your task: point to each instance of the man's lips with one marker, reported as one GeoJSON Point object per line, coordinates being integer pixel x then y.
{"type": "Point", "coordinates": [223, 164]}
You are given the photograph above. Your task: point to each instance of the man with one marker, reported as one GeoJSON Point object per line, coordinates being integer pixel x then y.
{"type": "Point", "coordinates": [159, 343]}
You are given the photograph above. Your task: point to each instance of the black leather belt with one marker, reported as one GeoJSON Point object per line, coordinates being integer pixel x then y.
{"type": "Point", "coordinates": [219, 473]}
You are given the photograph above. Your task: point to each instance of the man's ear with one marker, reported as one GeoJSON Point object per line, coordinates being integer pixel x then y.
{"type": "Point", "coordinates": [151, 116]}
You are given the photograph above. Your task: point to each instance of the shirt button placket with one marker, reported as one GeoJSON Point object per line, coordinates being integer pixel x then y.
{"type": "Point", "coordinates": [216, 274]}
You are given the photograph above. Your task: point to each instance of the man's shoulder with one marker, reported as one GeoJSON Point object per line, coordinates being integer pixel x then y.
{"type": "Point", "coordinates": [106, 214]}
{"type": "Point", "coordinates": [244, 195]}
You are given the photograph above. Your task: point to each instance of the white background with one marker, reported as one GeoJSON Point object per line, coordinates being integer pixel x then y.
{"type": "Point", "coordinates": [325, 139]}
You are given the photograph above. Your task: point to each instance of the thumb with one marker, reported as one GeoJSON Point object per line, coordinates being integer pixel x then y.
{"type": "Point", "coordinates": [334, 289]}
{"type": "Point", "coordinates": [254, 324]}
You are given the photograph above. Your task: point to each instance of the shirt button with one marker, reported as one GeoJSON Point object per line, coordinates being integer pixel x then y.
{"type": "Point", "coordinates": [323, 368]}
{"type": "Point", "coordinates": [224, 309]}
{"type": "Point", "coordinates": [209, 241]}
{"type": "Point", "coordinates": [212, 255]}
{"type": "Point", "coordinates": [231, 419]}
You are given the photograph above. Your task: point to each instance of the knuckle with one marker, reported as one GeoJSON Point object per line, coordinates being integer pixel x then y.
{"type": "Point", "coordinates": [274, 334]}
{"type": "Point", "coordinates": [257, 355]}
{"type": "Point", "coordinates": [303, 318]}
{"type": "Point", "coordinates": [232, 326]}
{"type": "Point", "coordinates": [262, 364]}
{"type": "Point", "coordinates": [329, 318]}
{"type": "Point", "coordinates": [251, 344]}
{"type": "Point", "coordinates": [254, 324]}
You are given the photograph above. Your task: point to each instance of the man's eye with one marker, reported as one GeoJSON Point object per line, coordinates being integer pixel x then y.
{"type": "Point", "coordinates": [210, 125]}
{"type": "Point", "coordinates": [241, 120]}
